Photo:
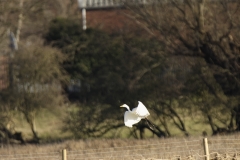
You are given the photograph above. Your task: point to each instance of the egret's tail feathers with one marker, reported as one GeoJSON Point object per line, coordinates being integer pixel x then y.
{"type": "Point", "coordinates": [150, 124]}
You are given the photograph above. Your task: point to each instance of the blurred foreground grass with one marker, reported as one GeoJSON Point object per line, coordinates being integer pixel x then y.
{"type": "Point", "coordinates": [226, 147]}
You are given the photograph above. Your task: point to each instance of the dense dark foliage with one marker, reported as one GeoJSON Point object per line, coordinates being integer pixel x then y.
{"type": "Point", "coordinates": [108, 67]}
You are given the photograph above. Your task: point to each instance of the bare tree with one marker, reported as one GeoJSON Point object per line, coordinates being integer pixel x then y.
{"type": "Point", "coordinates": [36, 84]}
{"type": "Point", "coordinates": [208, 30]}
{"type": "Point", "coordinates": [38, 81]}
{"type": "Point", "coordinates": [25, 22]}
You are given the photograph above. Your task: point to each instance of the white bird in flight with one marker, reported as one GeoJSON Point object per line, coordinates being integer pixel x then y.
{"type": "Point", "coordinates": [134, 116]}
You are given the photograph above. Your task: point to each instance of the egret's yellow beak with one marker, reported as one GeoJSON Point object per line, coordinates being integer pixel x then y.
{"type": "Point", "coordinates": [121, 106]}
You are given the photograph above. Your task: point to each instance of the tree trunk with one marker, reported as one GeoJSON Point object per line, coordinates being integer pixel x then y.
{"type": "Point", "coordinates": [237, 115]}
{"type": "Point", "coordinates": [141, 131]}
{"type": "Point", "coordinates": [33, 129]}
{"type": "Point", "coordinates": [31, 121]}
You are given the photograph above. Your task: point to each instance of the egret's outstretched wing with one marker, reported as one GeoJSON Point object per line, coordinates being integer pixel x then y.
{"type": "Point", "coordinates": [130, 119]}
{"type": "Point", "coordinates": [141, 110]}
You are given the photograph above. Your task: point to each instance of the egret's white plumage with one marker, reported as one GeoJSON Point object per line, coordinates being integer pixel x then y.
{"type": "Point", "coordinates": [130, 119]}
{"type": "Point", "coordinates": [141, 110]}
{"type": "Point", "coordinates": [134, 116]}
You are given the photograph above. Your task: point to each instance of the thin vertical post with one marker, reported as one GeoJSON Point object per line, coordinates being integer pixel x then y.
{"type": "Point", "coordinates": [84, 19]}
{"type": "Point", "coordinates": [206, 150]}
{"type": "Point", "coordinates": [64, 154]}
{"type": "Point", "coordinates": [20, 19]}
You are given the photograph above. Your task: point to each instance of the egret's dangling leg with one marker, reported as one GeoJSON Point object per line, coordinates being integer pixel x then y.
{"type": "Point", "coordinates": [150, 124]}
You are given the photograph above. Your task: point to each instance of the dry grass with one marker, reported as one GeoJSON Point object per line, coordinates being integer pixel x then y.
{"type": "Point", "coordinates": [170, 148]}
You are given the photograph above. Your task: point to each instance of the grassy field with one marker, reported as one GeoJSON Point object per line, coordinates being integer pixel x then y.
{"type": "Point", "coordinates": [49, 124]}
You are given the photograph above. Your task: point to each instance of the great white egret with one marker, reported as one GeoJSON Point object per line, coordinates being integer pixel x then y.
{"type": "Point", "coordinates": [135, 115]}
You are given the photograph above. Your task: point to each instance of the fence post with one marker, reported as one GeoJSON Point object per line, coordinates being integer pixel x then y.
{"type": "Point", "coordinates": [206, 150]}
{"type": "Point", "coordinates": [64, 154]}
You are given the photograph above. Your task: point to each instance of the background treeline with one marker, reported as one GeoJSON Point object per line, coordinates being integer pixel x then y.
{"type": "Point", "coordinates": [181, 60]}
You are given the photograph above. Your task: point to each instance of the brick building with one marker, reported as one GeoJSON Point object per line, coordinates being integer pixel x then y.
{"type": "Point", "coordinates": [4, 71]}
{"type": "Point", "coordinates": [109, 15]}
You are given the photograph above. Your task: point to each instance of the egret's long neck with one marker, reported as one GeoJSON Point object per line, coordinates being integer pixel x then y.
{"type": "Point", "coordinates": [128, 108]}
